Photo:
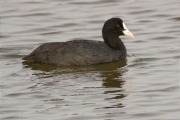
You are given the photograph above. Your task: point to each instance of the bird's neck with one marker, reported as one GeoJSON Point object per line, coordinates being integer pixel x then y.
{"type": "Point", "coordinates": [115, 42]}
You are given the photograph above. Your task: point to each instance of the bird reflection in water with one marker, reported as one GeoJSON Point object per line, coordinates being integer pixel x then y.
{"type": "Point", "coordinates": [111, 74]}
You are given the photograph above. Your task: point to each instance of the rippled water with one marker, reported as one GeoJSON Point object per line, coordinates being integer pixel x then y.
{"type": "Point", "coordinates": [145, 87]}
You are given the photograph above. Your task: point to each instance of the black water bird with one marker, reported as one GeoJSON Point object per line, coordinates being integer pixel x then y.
{"type": "Point", "coordinates": [85, 52]}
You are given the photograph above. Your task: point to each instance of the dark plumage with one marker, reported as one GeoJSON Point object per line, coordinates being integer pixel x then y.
{"type": "Point", "coordinates": [85, 52]}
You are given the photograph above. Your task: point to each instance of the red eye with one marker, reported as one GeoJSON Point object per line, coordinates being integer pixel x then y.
{"type": "Point", "coordinates": [118, 26]}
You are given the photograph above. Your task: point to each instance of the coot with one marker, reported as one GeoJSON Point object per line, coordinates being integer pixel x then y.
{"type": "Point", "coordinates": [85, 52]}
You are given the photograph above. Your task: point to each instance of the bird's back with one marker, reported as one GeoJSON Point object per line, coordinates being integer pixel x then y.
{"type": "Point", "coordinates": [76, 52]}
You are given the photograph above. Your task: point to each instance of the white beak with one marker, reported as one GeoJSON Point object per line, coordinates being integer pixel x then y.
{"type": "Point", "coordinates": [127, 32]}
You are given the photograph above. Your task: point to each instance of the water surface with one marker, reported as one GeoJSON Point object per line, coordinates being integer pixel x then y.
{"type": "Point", "coordinates": [145, 87]}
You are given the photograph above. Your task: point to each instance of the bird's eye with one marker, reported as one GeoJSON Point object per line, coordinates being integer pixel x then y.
{"type": "Point", "coordinates": [118, 26]}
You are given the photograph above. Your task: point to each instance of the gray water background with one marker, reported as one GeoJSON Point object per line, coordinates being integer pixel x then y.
{"type": "Point", "coordinates": [145, 87]}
